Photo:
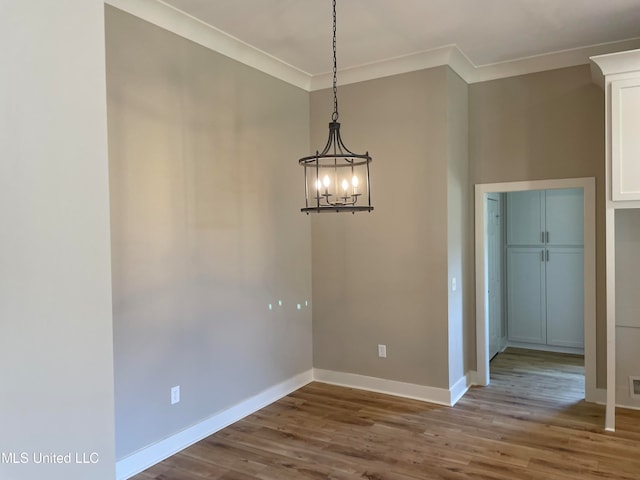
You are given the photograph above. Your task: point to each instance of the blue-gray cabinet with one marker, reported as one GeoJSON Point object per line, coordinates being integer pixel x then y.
{"type": "Point", "coordinates": [545, 278]}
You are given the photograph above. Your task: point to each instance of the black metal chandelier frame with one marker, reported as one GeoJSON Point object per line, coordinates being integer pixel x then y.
{"type": "Point", "coordinates": [333, 163]}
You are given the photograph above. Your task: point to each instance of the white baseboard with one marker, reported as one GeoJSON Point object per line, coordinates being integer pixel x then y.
{"type": "Point", "coordinates": [440, 396]}
{"type": "Point", "coordinates": [627, 406]}
{"type": "Point", "coordinates": [153, 454]}
{"type": "Point", "coordinates": [458, 390]}
{"type": "Point", "coordinates": [149, 456]}
{"type": "Point", "coordinates": [600, 397]}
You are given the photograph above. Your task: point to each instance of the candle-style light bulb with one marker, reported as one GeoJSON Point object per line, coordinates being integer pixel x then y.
{"type": "Point", "coordinates": [318, 184]}
{"type": "Point", "coordinates": [326, 182]}
{"type": "Point", "coordinates": [345, 185]}
{"type": "Point", "coordinates": [355, 182]}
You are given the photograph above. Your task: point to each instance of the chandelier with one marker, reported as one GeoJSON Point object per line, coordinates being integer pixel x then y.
{"type": "Point", "coordinates": [336, 179]}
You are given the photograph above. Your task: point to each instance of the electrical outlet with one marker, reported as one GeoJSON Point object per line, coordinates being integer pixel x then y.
{"type": "Point", "coordinates": [175, 394]}
{"type": "Point", "coordinates": [454, 284]}
{"type": "Point", "coordinates": [382, 351]}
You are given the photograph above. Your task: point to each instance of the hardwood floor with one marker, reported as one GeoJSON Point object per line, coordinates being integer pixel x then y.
{"type": "Point", "coordinates": [530, 423]}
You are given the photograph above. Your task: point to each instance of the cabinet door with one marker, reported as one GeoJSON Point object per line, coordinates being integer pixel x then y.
{"type": "Point", "coordinates": [625, 139]}
{"type": "Point", "coordinates": [525, 218]}
{"type": "Point", "coordinates": [565, 217]}
{"type": "Point", "coordinates": [565, 297]}
{"type": "Point", "coordinates": [525, 295]}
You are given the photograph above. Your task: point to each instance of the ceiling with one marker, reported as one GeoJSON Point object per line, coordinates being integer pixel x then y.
{"type": "Point", "coordinates": [298, 32]}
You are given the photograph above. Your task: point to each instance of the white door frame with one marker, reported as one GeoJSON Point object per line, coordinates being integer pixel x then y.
{"type": "Point", "coordinates": [588, 185]}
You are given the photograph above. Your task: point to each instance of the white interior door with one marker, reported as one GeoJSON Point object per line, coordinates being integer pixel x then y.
{"type": "Point", "coordinates": [497, 334]}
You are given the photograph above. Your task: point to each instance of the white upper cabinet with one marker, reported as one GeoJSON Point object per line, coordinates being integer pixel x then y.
{"type": "Point", "coordinates": [619, 75]}
{"type": "Point", "coordinates": [625, 139]}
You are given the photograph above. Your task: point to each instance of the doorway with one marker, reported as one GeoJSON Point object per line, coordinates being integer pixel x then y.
{"type": "Point", "coordinates": [485, 344]}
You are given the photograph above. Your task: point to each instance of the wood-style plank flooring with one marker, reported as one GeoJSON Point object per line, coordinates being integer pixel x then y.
{"type": "Point", "coordinates": [530, 423]}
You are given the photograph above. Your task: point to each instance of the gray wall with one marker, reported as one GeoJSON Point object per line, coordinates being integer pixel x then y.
{"type": "Point", "coordinates": [459, 231]}
{"type": "Point", "coordinates": [397, 260]}
{"type": "Point", "coordinates": [56, 358]}
{"type": "Point", "coordinates": [382, 277]}
{"type": "Point", "coordinates": [544, 126]}
{"type": "Point", "coordinates": [206, 230]}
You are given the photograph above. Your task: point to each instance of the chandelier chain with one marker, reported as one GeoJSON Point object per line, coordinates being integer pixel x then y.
{"type": "Point", "coordinates": [334, 117]}
{"type": "Point", "coordinates": [335, 178]}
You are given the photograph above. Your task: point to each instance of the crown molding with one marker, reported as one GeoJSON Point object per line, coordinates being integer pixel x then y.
{"type": "Point", "coordinates": [176, 21]}
{"type": "Point", "coordinates": [613, 64]}
{"type": "Point", "coordinates": [456, 59]}
{"type": "Point", "coordinates": [448, 55]}
{"type": "Point", "coordinates": [550, 61]}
